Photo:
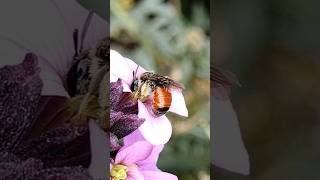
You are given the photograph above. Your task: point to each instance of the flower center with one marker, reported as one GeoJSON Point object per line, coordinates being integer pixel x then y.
{"type": "Point", "coordinates": [119, 172]}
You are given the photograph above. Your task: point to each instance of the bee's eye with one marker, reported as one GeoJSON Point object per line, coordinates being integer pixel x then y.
{"type": "Point", "coordinates": [134, 85]}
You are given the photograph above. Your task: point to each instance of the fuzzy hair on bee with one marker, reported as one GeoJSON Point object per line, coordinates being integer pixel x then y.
{"type": "Point", "coordinates": [142, 90]}
{"type": "Point", "coordinates": [159, 80]}
{"type": "Point", "coordinates": [148, 82]}
{"type": "Point", "coordinates": [156, 88]}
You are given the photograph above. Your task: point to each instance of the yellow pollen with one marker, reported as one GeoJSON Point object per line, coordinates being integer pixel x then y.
{"type": "Point", "coordinates": [119, 172]}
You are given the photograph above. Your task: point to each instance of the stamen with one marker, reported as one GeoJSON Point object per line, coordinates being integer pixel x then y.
{"type": "Point", "coordinates": [119, 172]}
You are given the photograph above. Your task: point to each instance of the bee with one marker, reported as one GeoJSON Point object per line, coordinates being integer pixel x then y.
{"type": "Point", "coordinates": [87, 81]}
{"type": "Point", "coordinates": [154, 89]}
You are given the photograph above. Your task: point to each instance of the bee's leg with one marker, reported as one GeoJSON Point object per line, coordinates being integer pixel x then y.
{"type": "Point", "coordinates": [88, 98]}
{"type": "Point", "coordinates": [104, 101]}
{"type": "Point", "coordinates": [137, 93]}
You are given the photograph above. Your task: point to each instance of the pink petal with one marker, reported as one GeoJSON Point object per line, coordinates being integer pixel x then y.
{"type": "Point", "coordinates": [123, 68]}
{"type": "Point", "coordinates": [138, 151]}
{"type": "Point", "coordinates": [126, 87]}
{"type": "Point", "coordinates": [227, 148]}
{"type": "Point", "coordinates": [178, 104]}
{"type": "Point", "coordinates": [148, 167]}
{"type": "Point", "coordinates": [152, 159]}
{"type": "Point", "coordinates": [119, 67]}
{"type": "Point", "coordinates": [52, 83]}
{"type": "Point", "coordinates": [28, 31]}
{"type": "Point", "coordinates": [158, 175]}
{"type": "Point", "coordinates": [99, 151]}
{"type": "Point", "coordinates": [74, 15]}
{"type": "Point", "coordinates": [135, 174]}
{"type": "Point", "coordinates": [150, 162]}
{"type": "Point", "coordinates": [133, 137]}
{"type": "Point", "coordinates": [156, 130]}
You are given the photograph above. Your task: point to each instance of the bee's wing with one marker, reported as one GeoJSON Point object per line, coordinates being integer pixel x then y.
{"type": "Point", "coordinates": [161, 80]}
{"type": "Point", "coordinates": [221, 77]}
{"type": "Point", "coordinates": [222, 81]}
{"type": "Point", "coordinates": [151, 76]}
{"type": "Point", "coordinates": [177, 85]}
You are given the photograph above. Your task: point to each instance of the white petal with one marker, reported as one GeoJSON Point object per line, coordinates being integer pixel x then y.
{"type": "Point", "coordinates": [99, 151]}
{"type": "Point", "coordinates": [227, 148]}
{"type": "Point", "coordinates": [178, 104]}
{"type": "Point", "coordinates": [113, 78]}
{"type": "Point", "coordinates": [11, 54]}
{"type": "Point", "coordinates": [137, 69]}
{"type": "Point", "coordinates": [126, 87]}
{"type": "Point", "coordinates": [156, 131]}
{"type": "Point", "coordinates": [119, 67]}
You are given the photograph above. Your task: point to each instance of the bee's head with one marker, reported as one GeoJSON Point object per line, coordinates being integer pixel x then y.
{"type": "Point", "coordinates": [134, 85]}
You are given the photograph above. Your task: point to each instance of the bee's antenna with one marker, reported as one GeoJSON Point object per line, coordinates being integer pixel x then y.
{"type": "Point", "coordinates": [135, 72]}
{"type": "Point", "coordinates": [85, 29]}
{"type": "Point", "coordinates": [75, 42]}
{"type": "Point", "coordinates": [134, 76]}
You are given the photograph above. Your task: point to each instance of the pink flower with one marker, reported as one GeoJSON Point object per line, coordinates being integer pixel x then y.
{"type": "Point", "coordinates": [137, 162]}
{"type": "Point", "coordinates": [156, 130]}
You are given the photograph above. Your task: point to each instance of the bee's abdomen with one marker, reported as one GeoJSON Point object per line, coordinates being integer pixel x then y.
{"type": "Point", "coordinates": [161, 101]}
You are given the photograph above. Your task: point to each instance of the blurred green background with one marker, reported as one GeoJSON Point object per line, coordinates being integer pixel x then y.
{"type": "Point", "coordinates": [273, 48]}
{"type": "Point", "coordinates": [172, 38]}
